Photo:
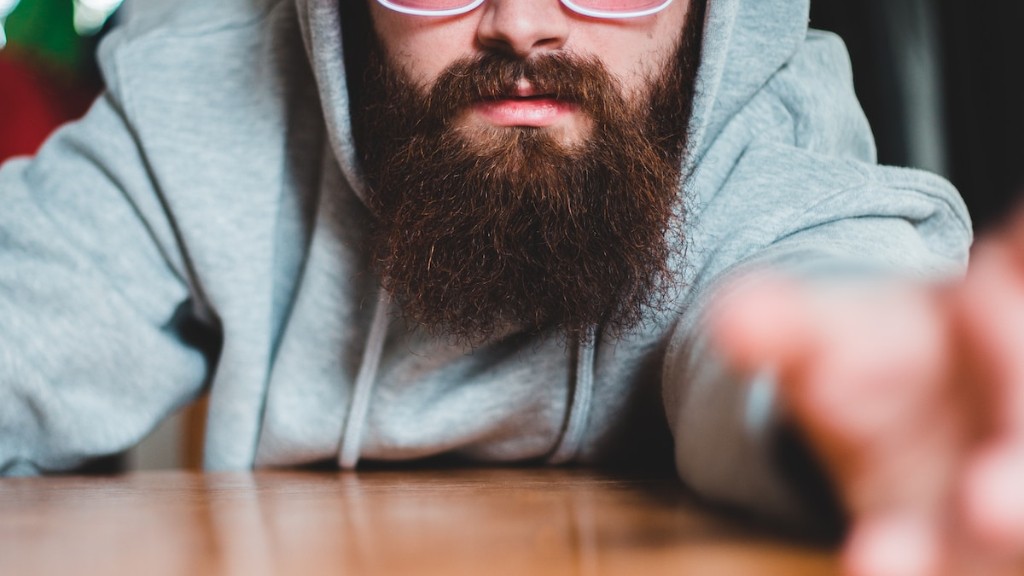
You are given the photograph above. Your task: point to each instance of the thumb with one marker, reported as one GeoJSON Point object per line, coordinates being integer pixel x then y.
{"type": "Point", "coordinates": [763, 321]}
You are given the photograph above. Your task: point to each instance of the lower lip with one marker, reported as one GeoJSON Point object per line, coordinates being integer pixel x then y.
{"type": "Point", "coordinates": [533, 112]}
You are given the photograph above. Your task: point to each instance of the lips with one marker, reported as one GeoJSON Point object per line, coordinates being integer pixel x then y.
{"type": "Point", "coordinates": [526, 107]}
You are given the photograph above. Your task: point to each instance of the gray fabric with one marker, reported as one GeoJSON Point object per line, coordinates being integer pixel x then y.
{"type": "Point", "coordinates": [215, 183]}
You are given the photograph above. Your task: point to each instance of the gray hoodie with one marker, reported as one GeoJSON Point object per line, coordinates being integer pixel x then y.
{"type": "Point", "coordinates": [201, 230]}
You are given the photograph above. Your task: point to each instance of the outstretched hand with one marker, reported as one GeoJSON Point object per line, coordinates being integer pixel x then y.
{"type": "Point", "coordinates": [913, 397]}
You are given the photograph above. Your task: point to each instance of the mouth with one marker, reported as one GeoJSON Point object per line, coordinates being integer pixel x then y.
{"type": "Point", "coordinates": [525, 106]}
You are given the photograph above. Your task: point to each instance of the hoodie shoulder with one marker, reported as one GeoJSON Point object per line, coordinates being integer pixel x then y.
{"type": "Point", "coordinates": [196, 17]}
{"type": "Point", "coordinates": [198, 53]}
{"type": "Point", "coordinates": [188, 36]}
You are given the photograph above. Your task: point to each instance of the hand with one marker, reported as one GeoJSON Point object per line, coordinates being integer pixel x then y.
{"type": "Point", "coordinates": [913, 397]}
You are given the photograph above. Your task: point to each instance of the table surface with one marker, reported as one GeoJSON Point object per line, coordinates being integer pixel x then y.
{"type": "Point", "coordinates": [447, 521]}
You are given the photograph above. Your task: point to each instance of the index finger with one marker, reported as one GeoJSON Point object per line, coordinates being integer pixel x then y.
{"type": "Point", "coordinates": [991, 309]}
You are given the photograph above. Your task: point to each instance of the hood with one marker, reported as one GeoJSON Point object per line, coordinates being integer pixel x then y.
{"type": "Point", "coordinates": [745, 43]}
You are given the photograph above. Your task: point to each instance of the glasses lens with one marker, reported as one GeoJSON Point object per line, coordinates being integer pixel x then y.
{"type": "Point", "coordinates": [592, 7]}
{"type": "Point", "coordinates": [613, 6]}
{"type": "Point", "coordinates": [431, 5]}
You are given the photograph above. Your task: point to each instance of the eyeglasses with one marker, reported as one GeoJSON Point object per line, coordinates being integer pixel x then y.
{"type": "Point", "coordinates": [592, 8]}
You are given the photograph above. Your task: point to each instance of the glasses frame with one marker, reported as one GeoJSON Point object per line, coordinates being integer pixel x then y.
{"type": "Point", "coordinates": [570, 4]}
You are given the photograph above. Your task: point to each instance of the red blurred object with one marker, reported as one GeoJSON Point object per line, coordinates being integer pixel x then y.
{"type": "Point", "coordinates": [34, 102]}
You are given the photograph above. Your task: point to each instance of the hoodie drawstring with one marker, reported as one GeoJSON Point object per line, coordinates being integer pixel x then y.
{"type": "Point", "coordinates": [355, 423]}
{"type": "Point", "coordinates": [579, 410]}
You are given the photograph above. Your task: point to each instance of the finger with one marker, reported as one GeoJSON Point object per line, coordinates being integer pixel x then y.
{"type": "Point", "coordinates": [1012, 236]}
{"type": "Point", "coordinates": [991, 309]}
{"type": "Point", "coordinates": [877, 368]}
{"type": "Point", "coordinates": [992, 314]}
{"type": "Point", "coordinates": [893, 430]}
{"type": "Point", "coordinates": [761, 322]}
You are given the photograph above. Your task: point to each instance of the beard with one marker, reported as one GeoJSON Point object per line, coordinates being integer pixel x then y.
{"type": "Point", "coordinates": [480, 232]}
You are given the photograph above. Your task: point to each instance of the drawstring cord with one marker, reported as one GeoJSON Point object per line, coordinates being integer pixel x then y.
{"type": "Point", "coordinates": [355, 423]}
{"type": "Point", "coordinates": [582, 398]}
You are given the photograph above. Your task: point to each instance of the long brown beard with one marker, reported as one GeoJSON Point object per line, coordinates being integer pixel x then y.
{"type": "Point", "coordinates": [519, 230]}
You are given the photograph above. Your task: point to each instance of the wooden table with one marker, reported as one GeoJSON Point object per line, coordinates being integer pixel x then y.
{"type": "Point", "coordinates": [448, 521]}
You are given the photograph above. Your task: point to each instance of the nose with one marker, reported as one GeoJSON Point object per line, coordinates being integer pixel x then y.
{"type": "Point", "coordinates": [523, 27]}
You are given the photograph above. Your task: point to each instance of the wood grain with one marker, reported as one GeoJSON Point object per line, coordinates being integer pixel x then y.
{"type": "Point", "coordinates": [450, 521]}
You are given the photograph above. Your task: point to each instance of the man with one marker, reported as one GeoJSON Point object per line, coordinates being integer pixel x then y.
{"type": "Point", "coordinates": [492, 230]}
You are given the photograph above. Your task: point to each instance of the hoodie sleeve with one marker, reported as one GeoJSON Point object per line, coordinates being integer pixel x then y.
{"type": "Point", "coordinates": [95, 309]}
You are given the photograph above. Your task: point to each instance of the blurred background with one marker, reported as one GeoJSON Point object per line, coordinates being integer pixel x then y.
{"type": "Point", "coordinates": [941, 81]}
{"type": "Point", "coordinates": [48, 71]}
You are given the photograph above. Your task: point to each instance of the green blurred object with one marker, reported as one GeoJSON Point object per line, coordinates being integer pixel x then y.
{"type": "Point", "coordinates": [45, 29]}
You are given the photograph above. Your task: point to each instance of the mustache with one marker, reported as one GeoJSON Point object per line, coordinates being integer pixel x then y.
{"type": "Point", "coordinates": [583, 81]}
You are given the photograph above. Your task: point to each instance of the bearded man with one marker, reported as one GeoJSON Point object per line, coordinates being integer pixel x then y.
{"type": "Point", "coordinates": [491, 230]}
